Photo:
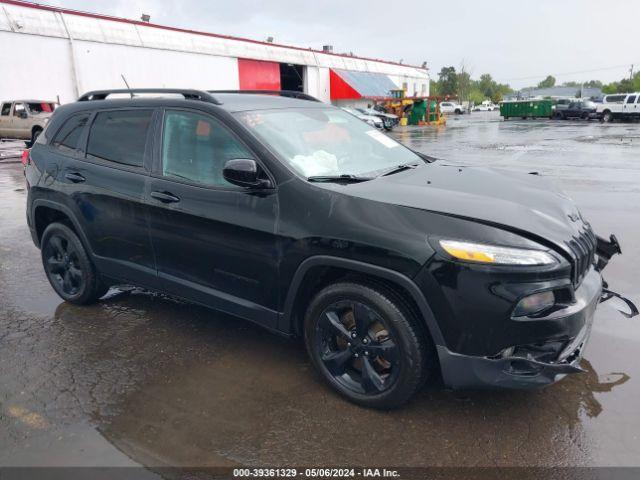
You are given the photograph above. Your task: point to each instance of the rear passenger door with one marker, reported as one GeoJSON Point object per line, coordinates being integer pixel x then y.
{"type": "Point", "coordinates": [105, 180]}
{"type": "Point", "coordinates": [629, 108]}
{"type": "Point", "coordinates": [215, 243]}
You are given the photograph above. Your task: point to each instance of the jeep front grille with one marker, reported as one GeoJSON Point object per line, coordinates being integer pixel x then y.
{"type": "Point", "coordinates": [583, 250]}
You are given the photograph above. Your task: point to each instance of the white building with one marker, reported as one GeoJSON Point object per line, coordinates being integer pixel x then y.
{"type": "Point", "coordinates": [54, 53]}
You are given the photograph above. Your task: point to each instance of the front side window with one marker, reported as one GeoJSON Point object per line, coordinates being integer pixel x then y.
{"type": "Point", "coordinates": [19, 109]}
{"type": "Point", "coordinates": [120, 136]}
{"type": "Point", "coordinates": [6, 109]}
{"type": "Point", "coordinates": [195, 147]}
{"type": "Point", "coordinates": [327, 141]}
{"type": "Point", "coordinates": [631, 99]}
{"type": "Point", "coordinates": [67, 137]}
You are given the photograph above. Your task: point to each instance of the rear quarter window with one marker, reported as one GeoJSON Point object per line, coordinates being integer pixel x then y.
{"type": "Point", "coordinates": [67, 137]}
{"type": "Point", "coordinates": [614, 98]}
{"type": "Point", "coordinates": [120, 136]}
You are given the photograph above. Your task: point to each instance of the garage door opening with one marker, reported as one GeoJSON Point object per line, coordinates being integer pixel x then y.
{"type": "Point", "coordinates": [292, 77]}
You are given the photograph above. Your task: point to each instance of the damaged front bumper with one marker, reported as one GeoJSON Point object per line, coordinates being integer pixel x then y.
{"type": "Point", "coordinates": [536, 366]}
{"type": "Point", "coordinates": [531, 366]}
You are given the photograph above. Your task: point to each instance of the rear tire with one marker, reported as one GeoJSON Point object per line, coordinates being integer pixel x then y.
{"type": "Point", "coordinates": [607, 117]}
{"type": "Point", "coordinates": [68, 267]}
{"type": "Point", "coordinates": [367, 344]}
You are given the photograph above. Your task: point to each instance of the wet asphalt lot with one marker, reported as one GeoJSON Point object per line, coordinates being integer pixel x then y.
{"type": "Point", "coordinates": [140, 379]}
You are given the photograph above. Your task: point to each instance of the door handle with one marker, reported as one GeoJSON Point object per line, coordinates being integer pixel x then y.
{"type": "Point", "coordinates": [74, 177]}
{"type": "Point", "coordinates": [165, 197]}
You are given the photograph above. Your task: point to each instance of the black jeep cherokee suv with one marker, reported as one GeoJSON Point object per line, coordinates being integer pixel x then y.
{"type": "Point", "coordinates": [299, 217]}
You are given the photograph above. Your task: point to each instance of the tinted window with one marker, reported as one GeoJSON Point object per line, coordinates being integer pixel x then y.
{"type": "Point", "coordinates": [41, 107]}
{"type": "Point", "coordinates": [6, 108]}
{"type": "Point", "coordinates": [195, 147]}
{"type": "Point", "coordinates": [631, 99]}
{"type": "Point", "coordinates": [120, 136]}
{"type": "Point", "coordinates": [70, 132]}
{"type": "Point", "coordinates": [614, 98]}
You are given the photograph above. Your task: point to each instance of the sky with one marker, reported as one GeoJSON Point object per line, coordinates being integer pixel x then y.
{"type": "Point", "coordinates": [518, 42]}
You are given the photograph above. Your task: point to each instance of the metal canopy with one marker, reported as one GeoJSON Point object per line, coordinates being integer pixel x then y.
{"type": "Point", "coordinates": [366, 84]}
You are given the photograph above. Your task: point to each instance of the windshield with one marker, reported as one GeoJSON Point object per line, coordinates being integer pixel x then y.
{"type": "Point", "coordinates": [327, 142]}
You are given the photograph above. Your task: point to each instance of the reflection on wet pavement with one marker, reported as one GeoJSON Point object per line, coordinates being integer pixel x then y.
{"type": "Point", "coordinates": [143, 379]}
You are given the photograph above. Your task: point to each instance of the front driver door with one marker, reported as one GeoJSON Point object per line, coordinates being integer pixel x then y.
{"type": "Point", "coordinates": [214, 242]}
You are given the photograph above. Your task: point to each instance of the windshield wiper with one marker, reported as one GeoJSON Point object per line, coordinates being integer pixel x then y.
{"type": "Point", "coordinates": [399, 168]}
{"type": "Point", "coordinates": [338, 178]}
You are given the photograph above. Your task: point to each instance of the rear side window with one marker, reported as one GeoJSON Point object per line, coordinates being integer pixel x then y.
{"type": "Point", "coordinates": [120, 136]}
{"type": "Point", "coordinates": [41, 107]}
{"type": "Point", "coordinates": [614, 98]}
{"type": "Point", "coordinates": [6, 108]}
{"type": "Point", "coordinates": [67, 137]}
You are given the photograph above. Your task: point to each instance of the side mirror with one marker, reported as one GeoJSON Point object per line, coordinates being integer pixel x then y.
{"type": "Point", "coordinates": [23, 114]}
{"type": "Point", "coordinates": [244, 172]}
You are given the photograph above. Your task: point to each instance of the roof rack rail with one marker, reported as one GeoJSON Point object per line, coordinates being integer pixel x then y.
{"type": "Point", "coordinates": [281, 93]}
{"type": "Point", "coordinates": [187, 93]}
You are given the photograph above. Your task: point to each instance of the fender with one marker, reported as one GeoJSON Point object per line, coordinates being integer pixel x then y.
{"type": "Point", "coordinates": [41, 202]}
{"type": "Point", "coordinates": [285, 320]}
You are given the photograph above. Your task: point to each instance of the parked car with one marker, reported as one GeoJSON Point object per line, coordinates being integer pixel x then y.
{"type": "Point", "coordinates": [388, 120]}
{"type": "Point", "coordinates": [579, 109]}
{"type": "Point", "coordinates": [297, 216]}
{"type": "Point", "coordinates": [485, 106]}
{"type": "Point", "coordinates": [625, 106]}
{"type": "Point", "coordinates": [560, 105]}
{"type": "Point", "coordinates": [451, 107]}
{"type": "Point", "coordinates": [24, 119]}
{"type": "Point", "coordinates": [372, 120]}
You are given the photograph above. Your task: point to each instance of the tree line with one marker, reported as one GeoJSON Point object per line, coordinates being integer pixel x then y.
{"type": "Point", "coordinates": [625, 85]}
{"type": "Point", "coordinates": [459, 84]}
{"type": "Point", "coordinates": [452, 83]}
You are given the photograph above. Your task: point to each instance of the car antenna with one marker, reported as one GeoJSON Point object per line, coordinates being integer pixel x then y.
{"type": "Point", "coordinates": [127, 84]}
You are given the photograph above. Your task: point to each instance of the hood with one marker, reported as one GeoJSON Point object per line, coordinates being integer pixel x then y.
{"type": "Point", "coordinates": [510, 200]}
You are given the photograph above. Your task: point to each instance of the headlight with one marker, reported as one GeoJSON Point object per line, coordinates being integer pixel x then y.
{"type": "Point", "coordinates": [481, 253]}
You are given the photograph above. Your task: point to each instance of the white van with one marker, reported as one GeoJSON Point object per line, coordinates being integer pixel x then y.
{"type": "Point", "coordinates": [619, 106]}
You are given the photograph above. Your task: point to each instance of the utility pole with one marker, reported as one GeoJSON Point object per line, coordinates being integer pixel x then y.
{"type": "Point", "coordinates": [631, 73]}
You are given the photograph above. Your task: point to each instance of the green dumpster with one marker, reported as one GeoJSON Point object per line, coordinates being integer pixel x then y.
{"type": "Point", "coordinates": [527, 109]}
{"type": "Point", "coordinates": [417, 112]}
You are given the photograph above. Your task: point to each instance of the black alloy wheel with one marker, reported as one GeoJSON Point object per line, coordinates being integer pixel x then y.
{"type": "Point", "coordinates": [356, 347]}
{"type": "Point", "coordinates": [367, 344]}
{"type": "Point", "coordinates": [62, 265]}
{"type": "Point", "coordinates": [68, 267]}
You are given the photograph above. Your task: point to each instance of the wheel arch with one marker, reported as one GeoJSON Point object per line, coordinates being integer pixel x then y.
{"type": "Point", "coordinates": [46, 212]}
{"type": "Point", "coordinates": [318, 271]}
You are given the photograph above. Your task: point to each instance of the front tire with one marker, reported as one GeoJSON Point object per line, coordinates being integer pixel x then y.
{"type": "Point", "coordinates": [367, 344]}
{"type": "Point", "coordinates": [34, 136]}
{"type": "Point", "coordinates": [68, 267]}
